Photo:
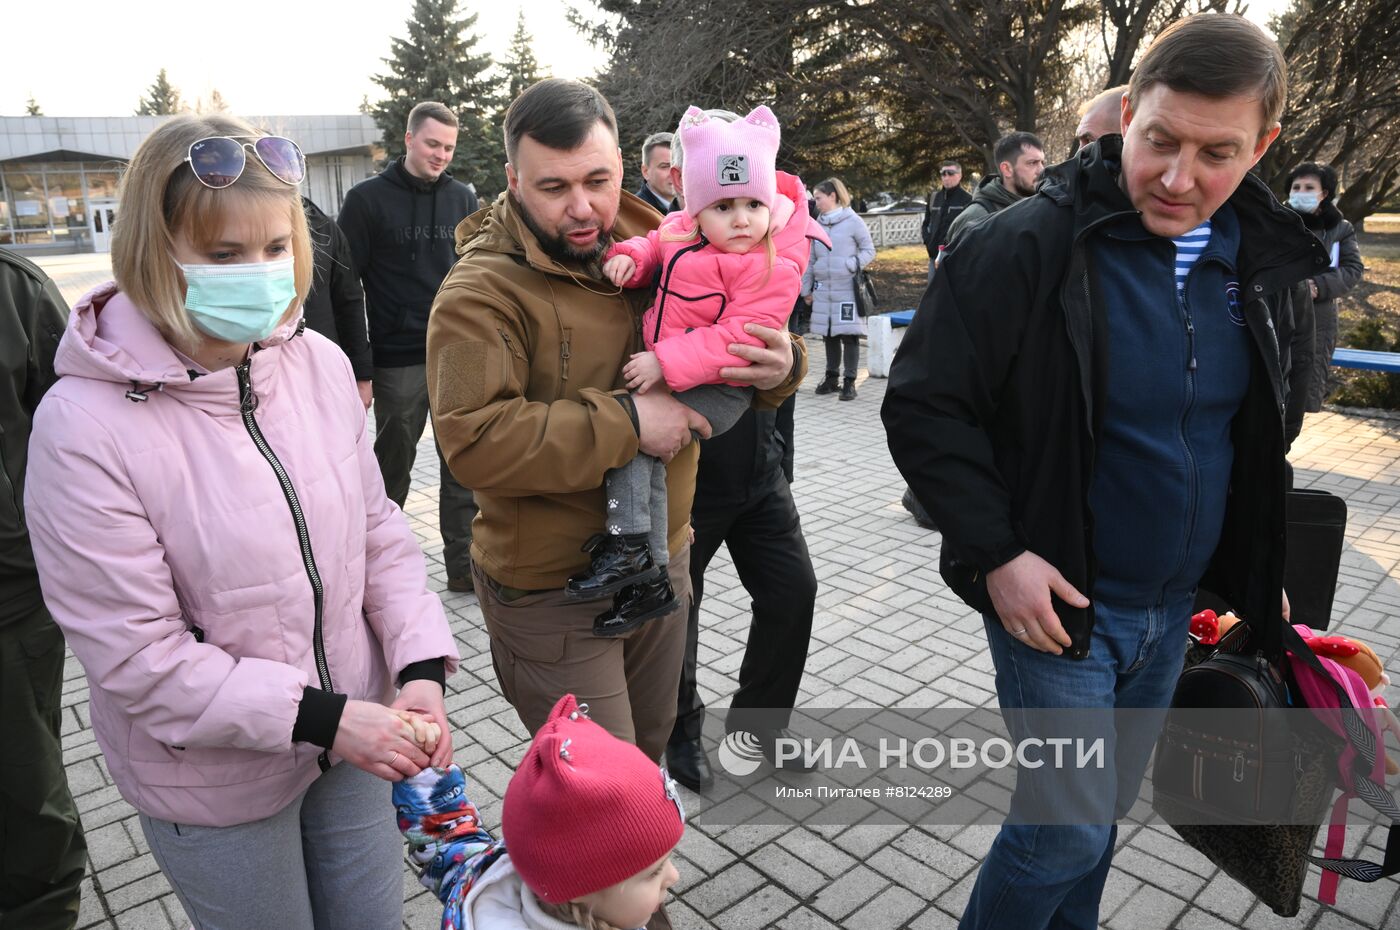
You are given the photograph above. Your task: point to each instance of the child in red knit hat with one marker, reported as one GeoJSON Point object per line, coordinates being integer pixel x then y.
{"type": "Point", "coordinates": [589, 824]}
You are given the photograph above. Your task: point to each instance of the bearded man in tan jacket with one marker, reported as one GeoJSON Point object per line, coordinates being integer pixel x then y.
{"type": "Point", "coordinates": [526, 345]}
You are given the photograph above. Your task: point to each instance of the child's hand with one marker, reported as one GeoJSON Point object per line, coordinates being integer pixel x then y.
{"type": "Point", "coordinates": [619, 269]}
{"type": "Point", "coordinates": [425, 732]}
{"type": "Point", "coordinates": [643, 372]}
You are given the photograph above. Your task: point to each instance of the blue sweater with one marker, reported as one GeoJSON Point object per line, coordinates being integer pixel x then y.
{"type": "Point", "coordinates": [1177, 372]}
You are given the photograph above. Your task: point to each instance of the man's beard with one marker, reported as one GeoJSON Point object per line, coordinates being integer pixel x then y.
{"type": "Point", "coordinates": [1020, 191]}
{"type": "Point", "coordinates": [558, 247]}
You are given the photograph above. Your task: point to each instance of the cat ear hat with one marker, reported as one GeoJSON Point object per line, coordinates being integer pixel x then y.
{"type": "Point", "coordinates": [723, 160]}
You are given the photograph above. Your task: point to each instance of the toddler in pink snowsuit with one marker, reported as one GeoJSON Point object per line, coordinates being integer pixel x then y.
{"type": "Point", "coordinates": [734, 255]}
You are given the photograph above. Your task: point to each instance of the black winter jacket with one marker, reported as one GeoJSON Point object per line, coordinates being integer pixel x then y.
{"type": "Point", "coordinates": [32, 318]}
{"type": "Point", "coordinates": [335, 308]}
{"type": "Point", "coordinates": [996, 394]}
{"type": "Point", "coordinates": [943, 208]}
{"type": "Point", "coordinates": [401, 231]}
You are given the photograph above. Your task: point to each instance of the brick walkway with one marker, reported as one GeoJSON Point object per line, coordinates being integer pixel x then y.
{"type": "Point", "coordinates": [887, 633]}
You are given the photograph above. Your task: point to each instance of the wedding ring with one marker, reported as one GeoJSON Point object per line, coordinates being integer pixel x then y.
{"type": "Point", "coordinates": [390, 763]}
{"type": "Point", "coordinates": [1020, 632]}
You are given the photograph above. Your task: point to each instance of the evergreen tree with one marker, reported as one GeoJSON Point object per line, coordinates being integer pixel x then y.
{"type": "Point", "coordinates": [162, 99]}
{"type": "Point", "coordinates": [521, 66]}
{"type": "Point", "coordinates": [435, 61]}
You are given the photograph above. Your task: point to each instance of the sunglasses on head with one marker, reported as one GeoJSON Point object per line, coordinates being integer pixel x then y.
{"type": "Point", "coordinates": [949, 172]}
{"type": "Point", "coordinates": [218, 161]}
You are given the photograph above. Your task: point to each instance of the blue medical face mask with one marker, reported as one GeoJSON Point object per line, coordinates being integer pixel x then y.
{"type": "Point", "coordinates": [239, 303]}
{"type": "Point", "coordinates": [1304, 201]}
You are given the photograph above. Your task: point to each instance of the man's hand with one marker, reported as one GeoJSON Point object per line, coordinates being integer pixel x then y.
{"type": "Point", "coordinates": [366, 389]}
{"type": "Point", "coordinates": [424, 697]}
{"type": "Point", "coordinates": [1020, 592]}
{"type": "Point", "coordinates": [664, 424]}
{"type": "Point", "coordinates": [769, 364]}
{"type": "Point", "coordinates": [619, 269]}
{"type": "Point", "coordinates": [643, 372]}
{"type": "Point", "coordinates": [808, 298]}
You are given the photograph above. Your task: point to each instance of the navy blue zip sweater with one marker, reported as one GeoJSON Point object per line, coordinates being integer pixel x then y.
{"type": "Point", "coordinates": [1178, 370]}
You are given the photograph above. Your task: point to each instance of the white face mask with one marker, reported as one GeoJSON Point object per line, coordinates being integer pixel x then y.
{"type": "Point", "coordinates": [1304, 201]}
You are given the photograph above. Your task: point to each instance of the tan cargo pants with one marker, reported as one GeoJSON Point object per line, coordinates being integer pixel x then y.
{"type": "Point", "coordinates": [543, 647]}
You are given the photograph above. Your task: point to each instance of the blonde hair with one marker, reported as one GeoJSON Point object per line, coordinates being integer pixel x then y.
{"type": "Point", "coordinates": [833, 187]}
{"type": "Point", "coordinates": [674, 235]}
{"type": "Point", "coordinates": [576, 914]}
{"type": "Point", "coordinates": [161, 197]}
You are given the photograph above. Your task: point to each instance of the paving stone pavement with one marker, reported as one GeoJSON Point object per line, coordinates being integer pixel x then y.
{"type": "Point", "coordinates": [887, 633]}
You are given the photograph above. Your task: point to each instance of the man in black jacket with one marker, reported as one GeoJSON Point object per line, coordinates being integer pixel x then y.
{"type": "Point", "coordinates": [1090, 401]}
{"type": "Point", "coordinates": [335, 307]}
{"type": "Point", "coordinates": [657, 189]}
{"type": "Point", "coordinates": [41, 840]}
{"type": "Point", "coordinates": [400, 226]}
{"type": "Point", "coordinates": [943, 207]}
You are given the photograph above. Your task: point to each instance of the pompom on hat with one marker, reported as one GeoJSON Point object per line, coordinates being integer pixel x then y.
{"type": "Point", "coordinates": [586, 810]}
{"type": "Point", "coordinates": [724, 160]}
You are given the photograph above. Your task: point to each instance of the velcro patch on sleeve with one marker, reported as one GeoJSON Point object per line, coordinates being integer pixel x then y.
{"type": "Point", "coordinates": [461, 377]}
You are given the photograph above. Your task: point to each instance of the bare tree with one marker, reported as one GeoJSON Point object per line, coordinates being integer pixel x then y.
{"type": "Point", "coordinates": [1344, 102]}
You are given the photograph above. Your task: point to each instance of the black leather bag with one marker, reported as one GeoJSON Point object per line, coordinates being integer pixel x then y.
{"type": "Point", "coordinates": [864, 289]}
{"type": "Point", "coordinates": [1317, 523]}
{"type": "Point", "coordinates": [1253, 798]}
{"type": "Point", "coordinates": [1252, 805]}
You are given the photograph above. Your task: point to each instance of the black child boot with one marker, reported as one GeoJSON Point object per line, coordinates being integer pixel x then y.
{"type": "Point", "coordinates": [618, 561]}
{"type": "Point", "coordinates": [848, 389]}
{"type": "Point", "coordinates": [635, 605]}
{"type": "Point", "coordinates": [828, 385]}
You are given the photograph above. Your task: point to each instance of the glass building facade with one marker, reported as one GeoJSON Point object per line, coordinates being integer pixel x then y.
{"type": "Point", "coordinates": [51, 203]}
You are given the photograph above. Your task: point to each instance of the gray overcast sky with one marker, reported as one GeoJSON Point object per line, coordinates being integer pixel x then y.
{"type": "Point", "coordinates": [275, 57]}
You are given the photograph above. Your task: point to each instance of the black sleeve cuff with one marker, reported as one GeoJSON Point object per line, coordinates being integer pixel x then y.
{"type": "Point", "coordinates": [427, 670]}
{"type": "Point", "coordinates": [626, 401]}
{"type": "Point", "coordinates": [318, 717]}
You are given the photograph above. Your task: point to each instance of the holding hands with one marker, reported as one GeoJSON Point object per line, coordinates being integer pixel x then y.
{"type": "Point", "coordinates": [396, 742]}
{"type": "Point", "coordinates": [643, 372]}
{"type": "Point", "coordinates": [619, 269]}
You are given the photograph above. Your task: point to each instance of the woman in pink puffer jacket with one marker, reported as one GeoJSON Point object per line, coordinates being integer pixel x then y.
{"type": "Point", "coordinates": [212, 535]}
{"type": "Point", "coordinates": [734, 256]}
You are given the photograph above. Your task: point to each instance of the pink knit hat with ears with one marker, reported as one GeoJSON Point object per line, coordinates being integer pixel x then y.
{"type": "Point", "coordinates": [723, 160]}
{"type": "Point", "coordinates": [586, 810]}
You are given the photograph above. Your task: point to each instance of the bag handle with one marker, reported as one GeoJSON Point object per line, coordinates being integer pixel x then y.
{"type": "Point", "coordinates": [1363, 741]}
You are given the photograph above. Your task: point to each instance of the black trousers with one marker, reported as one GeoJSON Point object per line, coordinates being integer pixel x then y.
{"type": "Point", "coordinates": [765, 541]}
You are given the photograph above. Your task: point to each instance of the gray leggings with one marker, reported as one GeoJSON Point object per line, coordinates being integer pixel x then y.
{"type": "Point", "coordinates": [637, 490]}
{"type": "Point", "coordinates": [331, 859]}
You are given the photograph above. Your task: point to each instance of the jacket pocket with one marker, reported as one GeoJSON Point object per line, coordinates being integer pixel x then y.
{"type": "Point", "coordinates": [155, 763]}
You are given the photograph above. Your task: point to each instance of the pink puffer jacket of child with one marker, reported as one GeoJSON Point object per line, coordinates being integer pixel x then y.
{"type": "Point", "coordinates": [705, 296]}
{"type": "Point", "coordinates": [170, 555]}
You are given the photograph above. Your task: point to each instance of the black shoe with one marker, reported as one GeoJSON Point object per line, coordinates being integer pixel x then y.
{"type": "Point", "coordinates": [921, 517]}
{"type": "Point", "coordinates": [618, 561]}
{"type": "Point", "coordinates": [688, 764]}
{"type": "Point", "coordinates": [635, 605]}
{"type": "Point", "coordinates": [767, 744]}
{"type": "Point", "coordinates": [848, 389]}
{"type": "Point", "coordinates": [828, 384]}
{"type": "Point", "coordinates": [461, 584]}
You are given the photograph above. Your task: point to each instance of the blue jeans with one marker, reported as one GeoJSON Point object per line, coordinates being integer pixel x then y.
{"type": "Point", "coordinates": [1051, 877]}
